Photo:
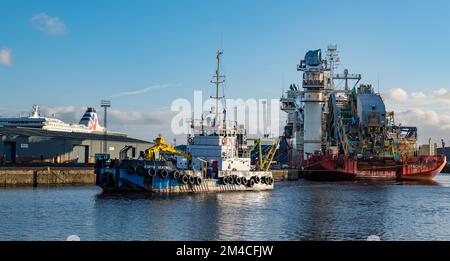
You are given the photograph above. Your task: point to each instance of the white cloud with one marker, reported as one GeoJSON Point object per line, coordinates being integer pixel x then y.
{"type": "Point", "coordinates": [418, 116]}
{"type": "Point", "coordinates": [399, 97]}
{"type": "Point", "coordinates": [429, 123]}
{"type": "Point", "coordinates": [6, 57]}
{"type": "Point", "coordinates": [141, 91]}
{"type": "Point", "coordinates": [418, 95]}
{"type": "Point", "coordinates": [68, 114]}
{"type": "Point", "coordinates": [440, 92]}
{"type": "Point", "coordinates": [442, 95]}
{"type": "Point", "coordinates": [140, 118]}
{"type": "Point", "coordinates": [397, 94]}
{"type": "Point", "coordinates": [429, 112]}
{"type": "Point", "coordinates": [50, 25]}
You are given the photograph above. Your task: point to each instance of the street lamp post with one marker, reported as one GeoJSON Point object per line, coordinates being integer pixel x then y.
{"type": "Point", "coordinates": [105, 104]}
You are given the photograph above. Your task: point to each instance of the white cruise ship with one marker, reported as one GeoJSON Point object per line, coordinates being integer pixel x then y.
{"type": "Point", "coordinates": [88, 123]}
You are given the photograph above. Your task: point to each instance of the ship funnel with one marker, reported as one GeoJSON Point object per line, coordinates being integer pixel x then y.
{"type": "Point", "coordinates": [35, 111]}
{"type": "Point", "coordinates": [90, 119]}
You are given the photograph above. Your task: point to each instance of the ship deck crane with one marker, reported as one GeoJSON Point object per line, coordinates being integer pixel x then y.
{"type": "Point", "coordinates": [257, 143]}
{"type": "Point", "coordinates": [161, 145]}
{"type": "Point", "coordinates": [266, 161]}
{"type": "Point", "coordinates": [205, 166]}
{"type": "Point", "coordinates": [123, 152]}
{"type": "Point", "coordinates": [265, 166]}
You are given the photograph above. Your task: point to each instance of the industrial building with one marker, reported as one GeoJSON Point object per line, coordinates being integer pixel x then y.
{"type": "Point", "coordinates": [34, 145]}
{"type": "Point", "coordinates": [429, 150]}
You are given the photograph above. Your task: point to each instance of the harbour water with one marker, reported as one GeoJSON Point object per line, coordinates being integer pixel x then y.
{"type": "Point", "coordinates": [302, 210]}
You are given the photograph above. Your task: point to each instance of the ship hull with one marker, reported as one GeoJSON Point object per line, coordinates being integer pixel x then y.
{"type": "Point", "coordinates": [413, 168]}
{"type": "Point", "coordinates": [123, 178]}
{"type": "Point", "coordinates": [427, 175]}
{"type": "Point", "coordinates": [327, 175]}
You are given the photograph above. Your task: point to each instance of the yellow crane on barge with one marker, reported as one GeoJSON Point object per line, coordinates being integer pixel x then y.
{"type": "Point", "coordinates": [264, 162]}
{"type": "Point", "coordinates": [161, 145]}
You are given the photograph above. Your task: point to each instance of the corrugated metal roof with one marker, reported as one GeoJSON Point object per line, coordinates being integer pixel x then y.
{"type": "Point", "coordinates": [65, 135]}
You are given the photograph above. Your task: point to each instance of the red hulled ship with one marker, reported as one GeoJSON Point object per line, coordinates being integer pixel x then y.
{"type": "Point", "coordinates": [346, 133]}
{"type": "Point", "coordinates": [330, 167]}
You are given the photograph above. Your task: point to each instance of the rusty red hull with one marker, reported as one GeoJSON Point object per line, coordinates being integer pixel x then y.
{"type": "Point", "coordinates": [329, 167]}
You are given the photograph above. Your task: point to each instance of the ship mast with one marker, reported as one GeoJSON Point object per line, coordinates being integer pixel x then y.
{"type": "Point", "coordinates": [333, 62]}
{"type": "Point", "coordinates": [218, 79]}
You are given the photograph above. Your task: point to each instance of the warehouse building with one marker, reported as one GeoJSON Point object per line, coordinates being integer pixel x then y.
{"type": "Point", "coordinates": [444, 151]}
{"type": "Point", "coordinates": [34, 145]}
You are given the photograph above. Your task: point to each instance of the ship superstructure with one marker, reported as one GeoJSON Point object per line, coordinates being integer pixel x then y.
{"type": "Point", "coordinates": [216, 139]}
{"type": "Point", "coordinates": [306, 108]}
{"type": "Point", "coordinates": [347, 133]}
{"type": "Point", "coordinates": [293, 131]}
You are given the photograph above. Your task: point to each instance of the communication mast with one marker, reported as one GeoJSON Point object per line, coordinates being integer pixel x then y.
{"type": "Point", "coordinates": [217, 80]}
{"type": "Point", "coordinates": [333, 61]}
{"type": "Point", "coordinates": [347, 76]}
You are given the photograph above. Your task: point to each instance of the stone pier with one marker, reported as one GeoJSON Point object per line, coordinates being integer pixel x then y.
{"type": "Point", "coordinates": [286, 174]}
{"type": "Point", "coordinates": [37, 176]}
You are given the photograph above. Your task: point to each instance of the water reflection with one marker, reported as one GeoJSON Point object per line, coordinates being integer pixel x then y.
{"type": "Point", "coordinates": [236, 222]}
{"type": "Point", "coordinates": [349, 210]}
{"type": "Point", "coordinates": [303, 210]}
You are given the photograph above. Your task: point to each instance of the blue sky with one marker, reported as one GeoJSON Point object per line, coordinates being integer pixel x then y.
{"type": "Point", "coordinates": [111, 47]}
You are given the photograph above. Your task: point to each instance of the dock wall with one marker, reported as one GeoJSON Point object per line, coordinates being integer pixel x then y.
{"type": "Point", "coordinates": [17, 176]}
{"type": "Point", "coordinates": [286, 174]}
{"type": "Point", "coordinates": [32, 176]}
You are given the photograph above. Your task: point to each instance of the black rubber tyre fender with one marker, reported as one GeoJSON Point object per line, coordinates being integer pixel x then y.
{"type": "Point", "coordinates": [185, 179]}
{"type": "Point", "coordinates": [191, 180]}
{"type": "Point", "coordinates": [238, 180]}
{"type": "Point", "coordinates": [198, 181]}
{"type": "Point", "coordinates": [176, 174]}
{"type": "Point", "coordinates": [256, 179]}
{"type": "Point", "coordinates": [251, 183]}
{"type": "Point", "coordinates": [244, 180]}
{"type": "Point", "coordinates": [231, 179]}
{"type": "Point", "coordinates": [163, 173]}
{"type": "Point", "coordinates": [225, 180]}
{"type": "Point", "coordinates": [264, 180]}
{"type": "Point", "coordinates": [151, 172]}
